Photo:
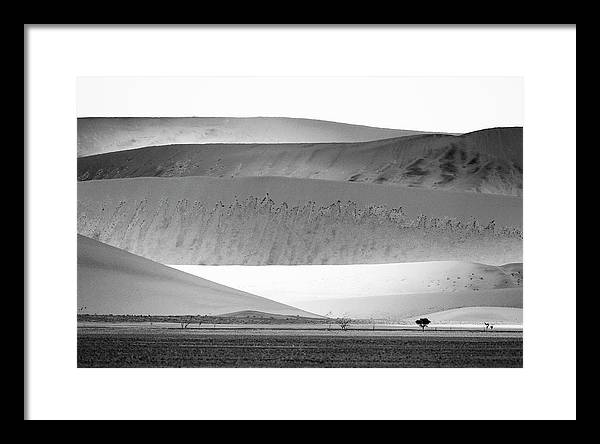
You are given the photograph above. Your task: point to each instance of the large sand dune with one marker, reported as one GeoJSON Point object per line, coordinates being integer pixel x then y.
{"type": "Point", "coordinates": [294, 284]}
{"type": "Point", "coordinates": [487, 161]}
{"type": "Point", "coordinates": [383, 291]}
{"type": "Point", "coordinates": [114, 281]}
{"type": "Point", "coordinates": [273, 220]}
{"type": "Point", "coordinates": [402, 306]}
{"type": "Point", "coordinates": [104, 134]}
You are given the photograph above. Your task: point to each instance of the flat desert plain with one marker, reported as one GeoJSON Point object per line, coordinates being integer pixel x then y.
{"type": "Point", "coordinates": [171, 347]}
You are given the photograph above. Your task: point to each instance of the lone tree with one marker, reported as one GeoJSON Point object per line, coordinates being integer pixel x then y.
{"type": "Point", "coordinates": [423, 322]}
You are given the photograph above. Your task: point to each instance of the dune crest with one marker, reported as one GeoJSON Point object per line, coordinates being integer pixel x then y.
{"type": "Point", "coordinates": [397, 308]}
{"type": "Point", "coordinates": [486, 161]}
{"type": "Point", "coordinates": [97, 135]}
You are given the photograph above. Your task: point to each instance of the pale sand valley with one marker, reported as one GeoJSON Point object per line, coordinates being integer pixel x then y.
{"type": "Point", "coordinates": [257, 230]}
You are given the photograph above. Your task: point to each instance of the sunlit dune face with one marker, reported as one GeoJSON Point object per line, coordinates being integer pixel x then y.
{"type": "Point", "coordinates": [312, 282]}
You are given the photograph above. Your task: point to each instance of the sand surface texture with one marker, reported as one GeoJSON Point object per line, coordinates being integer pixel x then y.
{"type": "Point", "coordinates": [266, 221]}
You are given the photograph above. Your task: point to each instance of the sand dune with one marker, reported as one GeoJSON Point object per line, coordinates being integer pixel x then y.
{"type": "Point", "coordinates": [272, 220]}
{"type": "Point", "coordinates": [515, 271]}
{"type": "Point", "coordinates": [383, 291]}
{"type": "Point", "coordinates": [470, 315]}
{"type": "Point", "coordinates": [282, 204]}
{"type": "Point", "coordinates": [399, 307]}
{"type": "Point", "coordinates": [487, 161]}
{"type": "Point", "coordinates": [114, 281]}
{"type": "Point", "coordinates": [294, 284]}
{"type": "Point", "coordinates": [101, 134]}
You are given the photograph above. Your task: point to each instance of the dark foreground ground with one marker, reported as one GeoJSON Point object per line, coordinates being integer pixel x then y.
{"type": "Point", "coordinates": [168, 347]}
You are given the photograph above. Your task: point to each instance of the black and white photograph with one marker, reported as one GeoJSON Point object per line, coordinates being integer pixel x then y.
{"type": "Point", "coordinates": [297, 223]}
{"type": "Point", "coordinates": [294, 242]}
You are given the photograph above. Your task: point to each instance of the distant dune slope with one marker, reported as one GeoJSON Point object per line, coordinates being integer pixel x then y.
{"type": "Point", "coordinates": [402, 306]}
{"type": "Point", "coordinates": [384, 291]}
{"type": "Point", "coordinates": [105, 134]}
{"type": "Point", "coordinates": [200, 220]}
{"type": "Point", "coordinates": [515, 271]}
{"type": "Point", "coordinates": [114, 281]}
{"type": "Point", "coordinates": [292, 285]}
{"type": "Point", "coordinates": [487, 161]}
{"type": "Point", "coordinates": [470, 315]}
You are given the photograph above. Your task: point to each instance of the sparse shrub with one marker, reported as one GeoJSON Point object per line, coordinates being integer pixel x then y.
{"type": "Point", "coordinates": [344, 322]}
{"type": "Point", "coordinates": [185, 322]}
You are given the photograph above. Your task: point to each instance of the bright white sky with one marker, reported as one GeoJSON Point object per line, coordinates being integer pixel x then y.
{"type": "Point", "coordinates": [447, 104]}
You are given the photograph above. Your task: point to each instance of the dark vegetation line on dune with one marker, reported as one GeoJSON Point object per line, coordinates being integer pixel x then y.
{"type": "Point", "coordinates": [260, 232]}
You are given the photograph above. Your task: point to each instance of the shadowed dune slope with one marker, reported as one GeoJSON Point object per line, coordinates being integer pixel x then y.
{"type": "Point", "coordinates": [97, 135]}
{"type": "Point", "coordinates": [200, 220]}
{"type": "Point", "coordinates": [487, 161]}
{"type": "Point", "coordinates": [402, 306]}
{"type": "Point", "coordinates": [114, 281]}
